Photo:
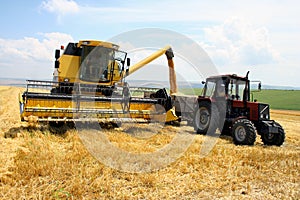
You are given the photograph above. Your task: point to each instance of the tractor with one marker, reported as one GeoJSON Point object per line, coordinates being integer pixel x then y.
{"type": "Point", "coordinates": [225, 105]}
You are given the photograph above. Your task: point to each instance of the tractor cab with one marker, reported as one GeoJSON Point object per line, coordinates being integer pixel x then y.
{"type": "Point", "coordinates": [226, 87]}
{"type": "Point", "coordinates": [225, 104]}
{"type": "Point", "coordinates": [230, 94]}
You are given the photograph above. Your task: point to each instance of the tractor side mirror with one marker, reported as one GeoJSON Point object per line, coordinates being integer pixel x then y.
{"type": "Point", "coordinates": [255, 86]}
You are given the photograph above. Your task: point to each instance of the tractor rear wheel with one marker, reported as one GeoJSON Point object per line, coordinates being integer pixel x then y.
{"type": "Point", "coordinates": [274, 138]}
{"type": "Point", "coordinates": [206, 118]}
{"type": "Point", "coordinates": [243, 132]}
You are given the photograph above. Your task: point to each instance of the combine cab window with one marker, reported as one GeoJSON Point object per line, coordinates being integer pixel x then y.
{"type": "Point", "coordinates": [94, 63]}
{"type": "Point", "coordinates": [99, 64]}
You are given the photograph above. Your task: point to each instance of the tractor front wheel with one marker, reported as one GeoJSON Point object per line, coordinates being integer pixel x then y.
{"type": "Point", "coordinates": [274, 138]}
{"type": "Point", "coordinates": [243, 132]}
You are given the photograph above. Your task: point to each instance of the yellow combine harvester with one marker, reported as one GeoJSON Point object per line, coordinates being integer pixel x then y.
{"type": "Point", "coordinates": [89, 85]}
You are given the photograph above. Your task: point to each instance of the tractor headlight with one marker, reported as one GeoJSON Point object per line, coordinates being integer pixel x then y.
{"type": "Point", "coordinates": [264, 116]}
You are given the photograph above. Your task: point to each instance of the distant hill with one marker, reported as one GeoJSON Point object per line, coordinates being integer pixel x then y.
{"type": "Point", "coordinates": [272, 87]}
{"type": "Point", "coordinates": [147, 83]}
{"type": "Point", "coordinates": [194, 84]}
{"type": "Point", "coordinates": [12, 82]}
{"type": "Point", "coordinates": [165, 84]}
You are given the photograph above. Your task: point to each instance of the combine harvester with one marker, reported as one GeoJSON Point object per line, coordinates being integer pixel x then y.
{"type": "Point", "coordinates": [89, 85]}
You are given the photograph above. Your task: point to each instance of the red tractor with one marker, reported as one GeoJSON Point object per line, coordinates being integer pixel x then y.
{"type": "Point", "coordinates": [225, 104]}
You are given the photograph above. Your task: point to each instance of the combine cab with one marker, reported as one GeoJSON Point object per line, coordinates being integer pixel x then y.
{"type": "Point", "coordinates": [89, 85]}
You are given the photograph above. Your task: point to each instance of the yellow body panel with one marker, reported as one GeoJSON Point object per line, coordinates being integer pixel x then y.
{"type": "Point", "coordinates": [69, 109]}
{"type": "Point", "coordinates": [69, 66]}
{"type": "Point", "coordinates": [97, 43]}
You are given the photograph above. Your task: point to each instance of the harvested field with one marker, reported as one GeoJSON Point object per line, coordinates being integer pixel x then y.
{"type": "Point", "coordinates": [35, 164]}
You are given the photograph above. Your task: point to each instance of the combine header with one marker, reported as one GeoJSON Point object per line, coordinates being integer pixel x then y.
{"type": "Point", "coordinates": [89, 85]}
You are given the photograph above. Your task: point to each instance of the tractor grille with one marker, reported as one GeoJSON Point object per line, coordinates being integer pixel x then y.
{"type": "Point", "coordinates": [264, 111]}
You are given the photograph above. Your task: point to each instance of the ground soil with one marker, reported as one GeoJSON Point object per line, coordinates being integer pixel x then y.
{"type": "Point", "coordinates": [36, 164]}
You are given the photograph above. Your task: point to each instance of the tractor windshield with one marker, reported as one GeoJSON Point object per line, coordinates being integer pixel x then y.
{"type": "Point", "coordinates": [96, 63]}
{"type": "Point", "coordinates": [227, 87]}
{"type": "Point", "coordinates": [236, 89]}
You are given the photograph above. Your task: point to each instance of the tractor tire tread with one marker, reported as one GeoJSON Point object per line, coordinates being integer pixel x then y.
{"type": "Point", "coordinates": [250, 130]}
{"type": "Point", "coordinates": [279, 138]}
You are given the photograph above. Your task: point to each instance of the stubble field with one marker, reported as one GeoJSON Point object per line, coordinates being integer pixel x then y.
{"type": "Point", "coordinates": [35, 164]}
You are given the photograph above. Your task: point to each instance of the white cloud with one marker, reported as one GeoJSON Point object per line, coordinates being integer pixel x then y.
{"type": "Point", "coordinates": [60, 7]}
{"type": "Point", "coordinates": [259, 12]}
{"type": "Point", "coordinates": [33, 49]}
{"type": "Point", "coordinates": [28, 56]}
{"type": "Point", "coordinates": [238, 42]}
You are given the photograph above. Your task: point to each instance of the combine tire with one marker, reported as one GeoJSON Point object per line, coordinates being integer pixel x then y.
{"type": "Point", "coordinates": [206, 118]}
{"type": "Point", "coordinates": [274, 138]}
{"type": "Point", "coordinates": [243, 132]}
{"type": "Point", "coordinates": [110, 125]}
{"type": "Point", "coordinates": [58, 127]}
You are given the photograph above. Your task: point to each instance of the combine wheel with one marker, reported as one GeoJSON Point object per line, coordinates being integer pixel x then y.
{"type": "Point", "coordinates": [58, 127]}
{"type": "Point", "coordinates": [243, 132]}
{"type": "Point", "coordinates": [274, 138]}
{"type": "Point", "coordinates": [206, 118]}
{"type": "Point", "coordinates": [110, 125]}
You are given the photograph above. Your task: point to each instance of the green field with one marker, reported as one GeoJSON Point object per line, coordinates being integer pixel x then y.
{"type": "Point", "coordinates": [278, 99]}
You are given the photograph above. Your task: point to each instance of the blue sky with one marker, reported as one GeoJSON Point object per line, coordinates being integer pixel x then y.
{"type": "Point", "coordinates": [260, 36]}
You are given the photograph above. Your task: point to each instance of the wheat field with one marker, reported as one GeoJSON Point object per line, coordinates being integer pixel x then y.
{"type": "Point", "coordinates": [35, 164]}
